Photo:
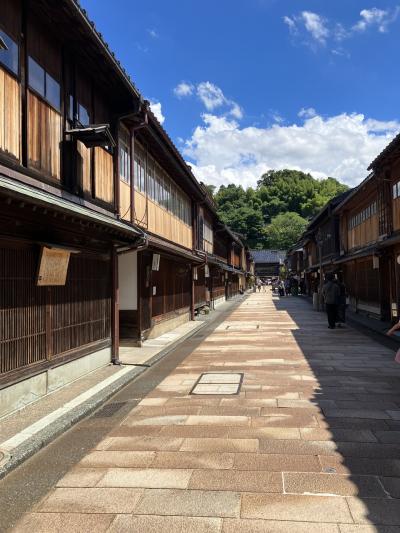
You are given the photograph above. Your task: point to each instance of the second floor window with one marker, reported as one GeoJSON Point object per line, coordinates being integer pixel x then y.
{"type": "Point", "coordinates": [44, 84]}
{"type": "Point", "coordinates": [124, 157]}
{"type": "Point", "coordinates": [396, 190]}
{"type": "Point", "coordinates": [140, 173]}
{"type": "Point", "coordinates": [10, 57]}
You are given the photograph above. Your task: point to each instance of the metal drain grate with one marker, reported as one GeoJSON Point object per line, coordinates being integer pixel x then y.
{"type": "Point", "coordinates": [109, 410]}
{"type": "Point", "coordinates": [218, 383]}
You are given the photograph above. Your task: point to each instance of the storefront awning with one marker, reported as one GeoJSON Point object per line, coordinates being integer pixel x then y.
{"type": "Point", "coordinates": [173, 249]}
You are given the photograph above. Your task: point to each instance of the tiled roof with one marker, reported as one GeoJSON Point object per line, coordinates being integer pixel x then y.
{"type": "Point", "coordinates": [268, 256]}
{"type": "Point", "coordinates": [392, 146]}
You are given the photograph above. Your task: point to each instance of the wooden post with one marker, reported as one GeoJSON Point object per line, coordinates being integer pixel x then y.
{"type": "Point", "coordinates": [24, 84]}
{"type": "Point", "coordinates": [192, 292]}
{"type": "Point", "coordinates": [133, 217]}
{"type": "Point", "coordinates": [115, 307]}
{"type": "Point", "coordinates": [117, 206]}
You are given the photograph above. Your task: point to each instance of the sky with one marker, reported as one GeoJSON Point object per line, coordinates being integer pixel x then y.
{"type": "Point", "coordinates": [245, 86]}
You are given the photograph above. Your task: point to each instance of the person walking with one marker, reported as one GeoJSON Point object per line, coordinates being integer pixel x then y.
{"type": "Point", "coordinates": [259, 283]}
{"type": "Point", "coordinates": [331, 294]}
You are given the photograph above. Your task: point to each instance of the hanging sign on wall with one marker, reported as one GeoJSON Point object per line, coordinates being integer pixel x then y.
{"type": "Point", "coordinates": [53, 266]}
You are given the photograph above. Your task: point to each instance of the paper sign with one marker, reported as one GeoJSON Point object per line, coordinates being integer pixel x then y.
{"type": "Point", "coordinates": [53, 266]}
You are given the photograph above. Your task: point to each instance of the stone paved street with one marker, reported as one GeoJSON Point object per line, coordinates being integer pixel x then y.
{"type": "Point", "coordinates": [310, 444]}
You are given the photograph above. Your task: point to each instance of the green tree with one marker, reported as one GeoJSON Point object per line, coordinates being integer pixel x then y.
{"type": "Point", "coordinates": [251, 211]}
{"type": "Point", "coordinates": [284, 230]}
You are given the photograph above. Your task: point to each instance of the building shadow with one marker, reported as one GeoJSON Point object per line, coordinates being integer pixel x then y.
{"type": "Point", "coordinates": [357, 394]}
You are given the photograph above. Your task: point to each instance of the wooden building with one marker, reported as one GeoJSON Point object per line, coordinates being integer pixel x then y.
{"type": "Point", "coordinates": [267, 263]}
{"type": "Point", "coordinates": [370, 238]}
{"type": "Point", "coordinates": [105, 231]}
{"type": "Point", "coordinates": [320, 246]}
{"type": "Point", "coordinates": [64, 101]}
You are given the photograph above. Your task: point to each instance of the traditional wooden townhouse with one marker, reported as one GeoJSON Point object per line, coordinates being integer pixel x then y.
{"type": "Point", "coordinates": [65, 104]}
{"type": "Point", "coordinates": [191, 260]}
{"type": "Point", "coordinates": [370, 238]}
{"type": "Point", "coordinates": [358, 254]}
{"type": "Point", "coordinates": [321, 245]}
{"type": "Point", "coordinates": [159, 193]}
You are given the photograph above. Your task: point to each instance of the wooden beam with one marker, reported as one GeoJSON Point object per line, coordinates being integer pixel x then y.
{"type": "Point", "coordinates": [115, 307]}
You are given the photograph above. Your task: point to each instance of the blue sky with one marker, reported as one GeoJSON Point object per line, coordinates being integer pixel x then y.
{"type": "Point", "coordinates": [245, 86]}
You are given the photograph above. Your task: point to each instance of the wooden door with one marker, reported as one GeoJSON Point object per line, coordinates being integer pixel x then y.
{"type": "Point", "coordinates": [144, 283]}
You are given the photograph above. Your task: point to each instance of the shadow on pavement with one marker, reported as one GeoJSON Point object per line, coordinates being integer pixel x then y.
{"type": "Point", "coordinates": [358, 396]}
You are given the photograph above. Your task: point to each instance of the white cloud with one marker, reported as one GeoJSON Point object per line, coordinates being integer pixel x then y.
{"type": "Point", "coordinates": [308, 112]}
{"type": "Point", "coordinates": [157, 110]}
{"type": "Point", "coordinates": [153, 33]}
{"type": "Point", "coordinates": [291, 23]}
{"type": "Point", "coordinates": [211, 95]}
{"type": "Point", "coordinates": [316, 26]}
{"type": "Point", "coordinates": [341, 146]}
{"type": "Point", "coordinates": [236, 111]}
{"type": "Point", "coordinates": [183, 89]}
{"type": "Point", "coordinates": [314, 29]}
{"type": "Point", "coordinates": [379, 18]}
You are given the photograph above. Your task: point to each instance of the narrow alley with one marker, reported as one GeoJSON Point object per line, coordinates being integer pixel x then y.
{"type": "Point", "coordinates": [295, 429]}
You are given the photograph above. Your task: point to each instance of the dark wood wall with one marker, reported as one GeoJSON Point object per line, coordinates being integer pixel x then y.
{"type": "Point", "coordinates": [39, 324]}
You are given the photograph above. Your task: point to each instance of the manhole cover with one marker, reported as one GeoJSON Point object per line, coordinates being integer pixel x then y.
{"type": "Point", "coordinates": [219, 383]}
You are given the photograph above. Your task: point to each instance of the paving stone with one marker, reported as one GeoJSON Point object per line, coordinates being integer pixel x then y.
{"type": "Point", "coordinates": [375, 511]}
{"type": "Point", "coordinates": [143, 443]}
{"type": "Point", "coordinates": [362, 466]}
{"type": "Point", "coordinates": [337, 434]}
{"type": "Point", "coordinates": [368, 529]}
{"type": "Point", "coordinates": [341, 485]}
{"type": "Point", "coordinates": [248, 402]}
{"type": "Point", "coordinates": [353, 423]}
{"type": "Point", "coordinates": [63, 522]}
{"type": "Point", "coordinates": [159, 524]}
{"type": "Point", "coordinates": [230, 411]}
{"type": "Point", "coordinates": [217, 421]}
{"type": "Point", "coordinates": [123, 459]}
{"type": "Point", "coordinates": [153, 401]}
{"type": "Point", "coordinates": [392, 486]}
{"type": "Point", "coordinates": [91, 500]}
{"type": "Point", "coordinates": [285, 420]}
{"type": "Point", "coordinates": [265, 433]}
{"type": "Point", "coordinates": [159, 411]}
{"type": "Point", "coordinates": [297, 447]}
{"type": "Point", "coordinates": [232, 525]}
{"type": "Point", "coordinates": [220, 378]}
{"type": "Point", "coordinates": [197, 431]}
{"type": "Point", "coordinates": [220, 445]}
{"type": "Point", "coordinates": [149, 478]}
{"type": "Point", "coordinates": [357, 413]}
{"type": "Point", "coordinates": [189, 503]}
{"type": "Point", "coordinates": [136, 431]}
{"type": "Point", "coordinates": [300, 508]}
{"type": "Point", "coordinates": [82, 477]}
{"type": "Point", "coordinates": [277, 463]}
{"type": "Point", "coordinates": [388, 437]}
{"type": "Point", "coordinates": [236, 480]}
{"type": "Point", "coordinates": [196, 460]}
{"type": "Point", "coordinates": [166, 420]}
{"type": "Point", "coordinates": [306, 404]}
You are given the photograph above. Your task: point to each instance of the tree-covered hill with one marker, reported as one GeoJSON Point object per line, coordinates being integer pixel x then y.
{"type": "Point", "coordinates": [276, 212]}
